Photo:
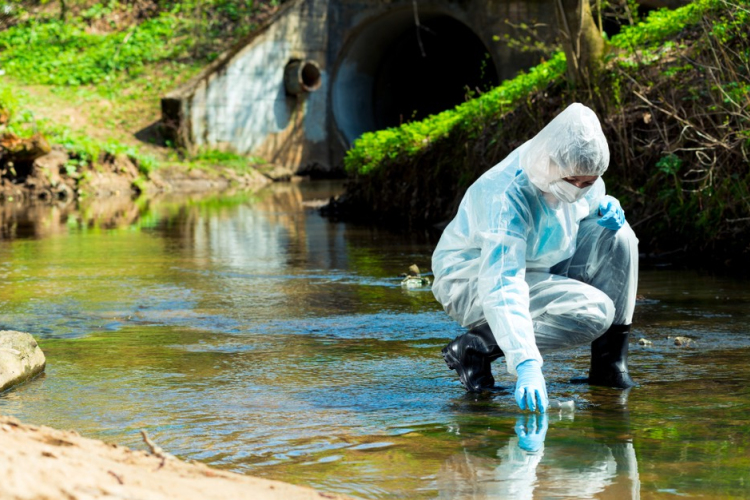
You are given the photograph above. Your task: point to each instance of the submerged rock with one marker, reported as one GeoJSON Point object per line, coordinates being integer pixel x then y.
{"type": "Point", "coordinates": [683, 341]}
{"type": "Point", "coordinates": [20, 358]}
{"type": "Point", "coordinates": [277, 173]}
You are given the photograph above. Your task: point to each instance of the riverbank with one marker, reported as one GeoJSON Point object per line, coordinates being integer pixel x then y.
{"type": "Point", "coordinates": [49, 178]}
{"type": "Point", "coordinates": [38, 462]}
{"type": "Point", "coordinates": [673, 102]}
{"type": "Point", "coordinates": [80, 91]}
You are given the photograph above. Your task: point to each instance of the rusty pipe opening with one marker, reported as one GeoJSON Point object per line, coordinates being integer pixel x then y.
{"type": "Point", "coordinates": [301, 76]}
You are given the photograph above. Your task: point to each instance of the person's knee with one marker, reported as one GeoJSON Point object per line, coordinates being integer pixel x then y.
{"type": "Point", "coordinates": [598, 316]}
{"type": "Point", "coordinates": [579, 325]}
{"type": "Point", "coordinates": [623, 242]}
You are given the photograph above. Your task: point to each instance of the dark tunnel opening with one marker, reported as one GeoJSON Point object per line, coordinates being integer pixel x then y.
{"type": "Point", "coordinates": [387, 75]}
{"type": "Point", "coordinates": [428, 70]}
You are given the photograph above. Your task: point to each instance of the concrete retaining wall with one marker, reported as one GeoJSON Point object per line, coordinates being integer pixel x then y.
{"type": "Point", "coordinates": [374, 57]}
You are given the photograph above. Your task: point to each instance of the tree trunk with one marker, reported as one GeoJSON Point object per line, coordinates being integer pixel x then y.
{"type": "Point", "coordinates": [582, 41]}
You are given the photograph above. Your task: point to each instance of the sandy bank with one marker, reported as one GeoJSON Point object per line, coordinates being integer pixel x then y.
{"type": "Point", "coordinates": [44, 463]}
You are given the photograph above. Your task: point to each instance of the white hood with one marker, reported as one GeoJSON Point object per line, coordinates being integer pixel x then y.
{"type": "Point", "coordinates": [571, 144]}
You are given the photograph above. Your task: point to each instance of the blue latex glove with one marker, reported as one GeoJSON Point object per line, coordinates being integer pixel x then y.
{"type": "Point", "coordinates": [612, 215]}
{"type": "Point", "coordinates": [531, 390]}
{"type": "Point", "coordinates": [531, 431]}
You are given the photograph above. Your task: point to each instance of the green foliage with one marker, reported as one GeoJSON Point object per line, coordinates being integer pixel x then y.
{"type": "Point", "coordinates": [662, 24]}
{"type": "Point", "coordinates": [84, 151]}
{"type": "Point", "coordinates": [647, 37]}
{"type": "Point", "coordinates": [213, 25]}
{"type": "Point", "coordinates": [695, 86]}
{"type": "Point", "coordinates": [669, 164]}
{"type": "Point", "coordinates": [95, 45]}
{"type": "Point", "coordinates": [373, 148]}
{"type": "Point", "coordinates": [675, 105]}
{"type": "Point", "coordinates": [58, 53]}
{"type": "Point", "coordinates": [8, 100]}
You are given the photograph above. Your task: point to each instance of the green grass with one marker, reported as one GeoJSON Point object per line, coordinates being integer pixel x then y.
{"type": "Point", "coordinates": [65, 54]}
{"type": "Point", "coordinates": [82, 148]}
{"type": "Point", "coordinates": [92, 81]}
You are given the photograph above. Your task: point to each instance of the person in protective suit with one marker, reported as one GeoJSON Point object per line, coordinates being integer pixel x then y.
{"type": "Point", "coordinates": [538, 258]}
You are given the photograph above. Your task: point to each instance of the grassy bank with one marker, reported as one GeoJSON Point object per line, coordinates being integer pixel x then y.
{"type": "Point", "coordinates": [89, 76]}
{"type": "Point", "coordinates": [675, 104]}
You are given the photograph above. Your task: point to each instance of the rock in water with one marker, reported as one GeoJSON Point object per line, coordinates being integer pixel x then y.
{"type": "Point", "coordinates": [683, 341]}
{"type": "Point", "coordinates": [20, 358]}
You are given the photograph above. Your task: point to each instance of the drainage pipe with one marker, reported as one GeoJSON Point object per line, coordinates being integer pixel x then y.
{"type": "Point", "coordinates": [301, 77]}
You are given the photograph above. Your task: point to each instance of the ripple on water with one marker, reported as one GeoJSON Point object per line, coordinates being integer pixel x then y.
{"type": "Point", "coordinates": [273, 342]}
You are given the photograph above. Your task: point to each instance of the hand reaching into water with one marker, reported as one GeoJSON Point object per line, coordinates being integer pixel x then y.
{"type": "Point", "coordinates": [531, 389]}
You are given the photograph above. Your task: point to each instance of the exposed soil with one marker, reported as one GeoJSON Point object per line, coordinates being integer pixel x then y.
{"type": "Point", "coordinates": [45, 463]}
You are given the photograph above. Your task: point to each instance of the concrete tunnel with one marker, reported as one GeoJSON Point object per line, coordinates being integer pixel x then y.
{"type": "Point", "coordinates": [393, 71]}
{"type": "Point", "coordinates": [299, 90]}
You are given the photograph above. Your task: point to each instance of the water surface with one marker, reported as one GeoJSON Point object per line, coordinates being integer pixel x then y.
{"type": "Point", "coordinates": [251, 334]}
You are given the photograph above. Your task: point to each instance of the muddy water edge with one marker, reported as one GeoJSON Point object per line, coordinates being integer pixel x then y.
{"type": "Point", "coordinates": [247, 332]}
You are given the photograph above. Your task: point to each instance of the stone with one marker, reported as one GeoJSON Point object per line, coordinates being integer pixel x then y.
{"type": "Point", "coordinates": [24, 149]}
{"type": "Point", "coordinates": [644, 342]}
{"type": "Point", "coordinates": [124, 164]}
{"type": "Point", "coordinates": [106, 184]}
{"type": "Point", "coordinates": [50, 165]}
{"type": "Point", "coordinates": [20, 358]}
{"type": "Point", "coordinates": [277, 173]}
{"type": "Point", "coordinates": [683, 341]}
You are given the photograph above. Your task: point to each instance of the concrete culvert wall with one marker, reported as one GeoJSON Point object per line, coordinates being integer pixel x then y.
{"type": "Point", "coordinates": [305, 85]}
{"type": "Point", "coordinates": [394, 71]}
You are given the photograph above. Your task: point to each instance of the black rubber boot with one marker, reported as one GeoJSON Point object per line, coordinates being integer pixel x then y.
{"type": "Point", "coordinates": [609, 359]}
{"type": "Point", "coordinates": [471, 355]}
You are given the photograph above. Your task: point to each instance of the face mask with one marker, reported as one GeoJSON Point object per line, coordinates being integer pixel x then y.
{"type": "Point", "coordinates": [567, 192]}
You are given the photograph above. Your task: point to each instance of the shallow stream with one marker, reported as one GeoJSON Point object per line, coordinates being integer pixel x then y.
{"type": "Point", "coordinates": [249, 333]}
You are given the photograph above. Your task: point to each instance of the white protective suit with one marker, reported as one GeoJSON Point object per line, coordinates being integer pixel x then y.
{"type": "Point", "coordinates": [539, 271]}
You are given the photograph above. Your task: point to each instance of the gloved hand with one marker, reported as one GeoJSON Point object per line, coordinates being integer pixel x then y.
{"type": "Point", "coordinates": [531, 431]}
{"type": "Point", "coordinates": [531, 390]}
{"type": "Point", "coordinates": [612, 214]}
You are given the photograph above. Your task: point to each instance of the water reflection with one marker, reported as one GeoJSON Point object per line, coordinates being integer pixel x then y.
{"type": "Point", "coordinates": [527, 466]}
{"type": "Point", "coordinates": [39, 220]}
{"type": "Point", "coordinates": [531, 430]}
